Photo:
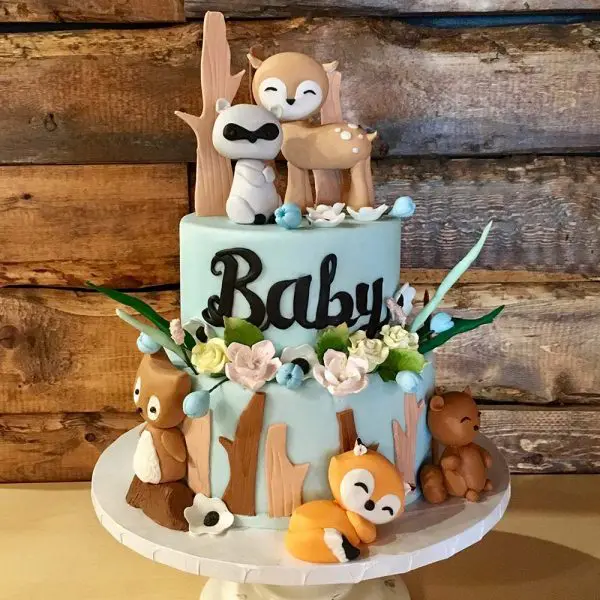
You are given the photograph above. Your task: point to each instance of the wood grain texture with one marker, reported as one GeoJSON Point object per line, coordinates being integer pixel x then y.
{"type": "Point", "coordinates": [453, 92]}
{"type": "Point", "coordinates": [405, 440]}
{"type": "Point", "coordinates": [113, 224]}
{"type": "Point", "coordinates": [91, 11]}
{"type": "Point", "coordinates": [195, 9]}
{"type": "Point", "coordinates": [64, 351]}
{"type": "Point", "coordinates": [543, 348]}
{"type": "Point", "coordinates": [559, 440]}
{"type": "Point", "coordinates": [197, 434]}
{"type": "Point", "coordinates": [57, 447]}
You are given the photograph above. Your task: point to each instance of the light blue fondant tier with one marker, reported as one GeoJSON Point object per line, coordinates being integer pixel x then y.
{"type": "Point", "coordinates": [366, 252]}
{"type": "Point", "coordinates": [312, 430]}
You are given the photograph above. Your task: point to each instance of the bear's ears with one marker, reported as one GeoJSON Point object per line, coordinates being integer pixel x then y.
{"type": "Point", "coordinates": [436, 403]}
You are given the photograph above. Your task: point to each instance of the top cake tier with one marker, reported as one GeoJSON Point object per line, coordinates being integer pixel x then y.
{"type": "Point", "coordinates": [291, 284]}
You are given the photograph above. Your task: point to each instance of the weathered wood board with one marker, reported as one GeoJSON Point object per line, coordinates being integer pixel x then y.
{"type": "Point", "coordinates": [452, 92]}
{"type": "Point", "coordinates": [195, 9]}
{"type": "Point", "coordinates": [559, 440]}
{"type": "Point", "coordinates": [118, 224]}
{"type": "Point", "coordinates": [65, 446]}
{"type": "Point", "coordinates": [91, 11]}
{"type": "Point", "coordinates": [64, 351]}
{"type": "Point", "coordinates": [112, 224]}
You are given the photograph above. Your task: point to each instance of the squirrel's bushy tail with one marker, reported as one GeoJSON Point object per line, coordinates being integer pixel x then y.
{"type": "Point", "coordinates": [432, 484]}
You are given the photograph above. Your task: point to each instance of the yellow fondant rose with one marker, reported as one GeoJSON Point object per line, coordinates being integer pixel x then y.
{"type": "Point", "coordinates": [395, 336]}
{"type": "Point", "coordinates": [373, 351]}
{"type": "Point", "coordinates": [210, 356]}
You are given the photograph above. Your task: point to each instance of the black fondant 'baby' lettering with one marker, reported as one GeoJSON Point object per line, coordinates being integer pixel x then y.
{"type": "Point", "coordinates": [262, 315]}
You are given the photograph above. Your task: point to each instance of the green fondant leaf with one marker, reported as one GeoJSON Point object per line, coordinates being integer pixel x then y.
{"type": "Point", "coordinates": [460, 326]}
{"type": "Point", "coordinates": [401, 360]}
{"type": "Point", "coordinates": [144, 309]}
{"type": "Point", "coordinates": [332, 338]}
{"type": "Point", "coordinates": [242, 332]}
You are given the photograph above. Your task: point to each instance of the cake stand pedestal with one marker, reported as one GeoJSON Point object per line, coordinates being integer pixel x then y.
{"type": "Point", "coordinates": [252, 564]}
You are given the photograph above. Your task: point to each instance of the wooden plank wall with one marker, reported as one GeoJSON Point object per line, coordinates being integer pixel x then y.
{"type": "Point", "coordinates": [477, 123]}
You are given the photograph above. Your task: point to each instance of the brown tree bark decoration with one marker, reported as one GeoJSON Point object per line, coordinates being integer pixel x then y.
{"type": "Point", "coordinates": [240, 495]}
{"type": "Point", "coordinates": [284, 479]}
{"type": "Point", "coordinates": [328, 182]}
{"type": "Point", "coordinates": [197, 434]}
{"type": "Point", "coordinates": [405, 441]}
{"type": "Point", "coordinates": [347, 431]}
{"type": "Point", "coordinates": [213, 171]}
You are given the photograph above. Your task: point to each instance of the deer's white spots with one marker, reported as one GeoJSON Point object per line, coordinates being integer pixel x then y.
{"type": "Point", "coordinates": [337, 129]}
{"type": "Point", "coordinates": [346, 135]}
{"type": "Point", "coordinates": [355, 150]}
{"type": "Point", "coordinates": [352, 126]}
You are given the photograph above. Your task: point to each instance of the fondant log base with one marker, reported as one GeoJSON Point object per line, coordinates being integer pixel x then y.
{"type": "Point", "coordinates": [164, 503]}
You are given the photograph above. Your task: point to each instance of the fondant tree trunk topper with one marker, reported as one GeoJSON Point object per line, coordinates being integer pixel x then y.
{"type": "Point", "coordinates": [197, 434]}
{"type": "Point", "coordinates": [284, 479]}
{"type": "Point", "coordinates": [405, 441]}
{"type": "Point", "coordinates": [213, 171]}
{"type": "Point", "coordinates": [240, 495]}
{"type": "Point", "coordinates": [347, 431]}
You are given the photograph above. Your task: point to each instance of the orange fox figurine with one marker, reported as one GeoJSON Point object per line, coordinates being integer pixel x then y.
{"type": "Point", "coordinates": [367, 491]}
{"type": "Point", "coordinates": [453, 420]}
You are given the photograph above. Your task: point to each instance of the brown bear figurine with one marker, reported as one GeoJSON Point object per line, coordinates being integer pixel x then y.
{"type": "Point", "coordinates": [159, 391]}
{"type": "Point", "coordinates": [453, 420]}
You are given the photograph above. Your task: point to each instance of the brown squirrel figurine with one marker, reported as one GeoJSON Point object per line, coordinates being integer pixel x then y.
{"type": "Point", "coordinates": [159, 391]}
{"type": "Point", "coordinates": [453, 420]}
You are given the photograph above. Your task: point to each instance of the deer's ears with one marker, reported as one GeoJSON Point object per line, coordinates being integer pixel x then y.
{"type": "Point", "coordinates": [329, 67]}
{"type": "Point", "coordinates": [254, 61]}
{"type": "Point", "coordinates": [468, 391]}
{"type": "Point", "coordinates": [436, 403]}
{"type": "Point", "coordinates": [222, 104]}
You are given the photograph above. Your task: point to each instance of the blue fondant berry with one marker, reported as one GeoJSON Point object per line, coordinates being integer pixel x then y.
{"type": "Point", "coordinates": [403, 207]}
{"type": "Point", "coordinates": [147, 345]}
{"type": "Point", "coordinates": [288, 216]}
{"type": "Point", "coordinates": [408, 381]}
{"type": "Point", "coordinates": [196, 404]}
{"type": "Point", "coordinates": [290, 376]}
{"type": "Point", "coordinates": [441, 322]}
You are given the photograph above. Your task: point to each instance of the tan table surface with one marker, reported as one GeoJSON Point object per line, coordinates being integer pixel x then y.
{"type": "Point", "coordinates": [546, 547]}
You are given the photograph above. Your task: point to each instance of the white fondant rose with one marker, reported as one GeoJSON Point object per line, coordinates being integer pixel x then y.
{"type": "Point", "coordinates": [208, 515]}
{"type": "Point", "coordinates": [210, 356]}
{"type": "Point", "coordinates": [395, 336]}
{"type": "Point", "coordinates": [342, 375]}
{"type": "Point", "coordinates": [373, 351]}
{"type": "Point", "coordinates": [327, 216]}
{"type": "Point", "coordinates": [252, 367]}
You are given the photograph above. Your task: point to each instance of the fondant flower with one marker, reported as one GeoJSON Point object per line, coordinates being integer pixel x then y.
{"type": "Point", "coordinates": [177, 332]}
{"type": "Point", "coordinates": [373, 351]}
{"type": "Point", "coordinates": [403, 207]}
{"type": "Point", "coordinates": [208, 515]}
{"type": "Point", "coordinates": [395, 336]}
{"type": "Point", "coordinates": [290, 376]}
{"type": "Point", "coordinates": [253, 366]}
{"type": "Point", "coordinates": [441, 322]}
{"type": "Point", "coordinates": [210, 356]}
{"type": "Point", "coordinates": [288, 216]}
{"type": "Point", "coordinates": [147, 345]}
{"type": "Point", "coordinates": [367, 213]}
{"type": "Point", "coordinates": [408, 381]}
{"type": "Point", "coordinates": [304, 356]}
{"type": "Point", "coordinates": [342, 375]}
{"type": "Point", "coordinates": [327, 216]}
{"type": "Point", "coordinates": [199, 329]}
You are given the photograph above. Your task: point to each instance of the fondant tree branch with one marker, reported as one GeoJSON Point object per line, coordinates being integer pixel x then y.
{"type": "Point", "coordinates": [347, 431]}
{"type": "Point", "coordinates": [284, 479]}
{"type": "Point", "coordinates": [405, 441]}
{"type": "Point", "coordinates": [242, 452]}
{"type": "Point", "coordinates": [328, 183]}
{"type": "Point", "coordinates": [213, 171]}
{"type": "Point", "coordinates": [197, 434]}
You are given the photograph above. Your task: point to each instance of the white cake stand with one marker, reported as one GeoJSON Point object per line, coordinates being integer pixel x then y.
{"type": "Point", "coordinates": [250, 564]}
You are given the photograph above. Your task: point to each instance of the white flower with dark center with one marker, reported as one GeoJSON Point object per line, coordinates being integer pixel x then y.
{"type": "Point", "coordinates": [208, 515]}
{"type": "Point", "coordinates": [327, 216]}
{"type": "Point", "coordinates": [304, 356]}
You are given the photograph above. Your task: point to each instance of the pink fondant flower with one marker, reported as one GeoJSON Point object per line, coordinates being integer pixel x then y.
{"type": "Point", "coordinates": [342, 375]}
{"type": "Point", "coordinates": [177, 332]}
{"type": "Point", "coordinates": [252, 366]}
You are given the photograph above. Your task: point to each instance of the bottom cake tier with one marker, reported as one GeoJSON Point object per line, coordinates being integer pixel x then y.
{"type": "Point", "coordinates": [265, 453]}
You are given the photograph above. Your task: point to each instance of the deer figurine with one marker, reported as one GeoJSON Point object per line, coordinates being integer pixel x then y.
{"type": "Point", "coordinates": [298, 86]}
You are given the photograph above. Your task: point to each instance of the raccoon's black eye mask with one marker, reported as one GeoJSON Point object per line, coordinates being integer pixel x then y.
{"type": "Point", "coordinates": [235, 133]}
